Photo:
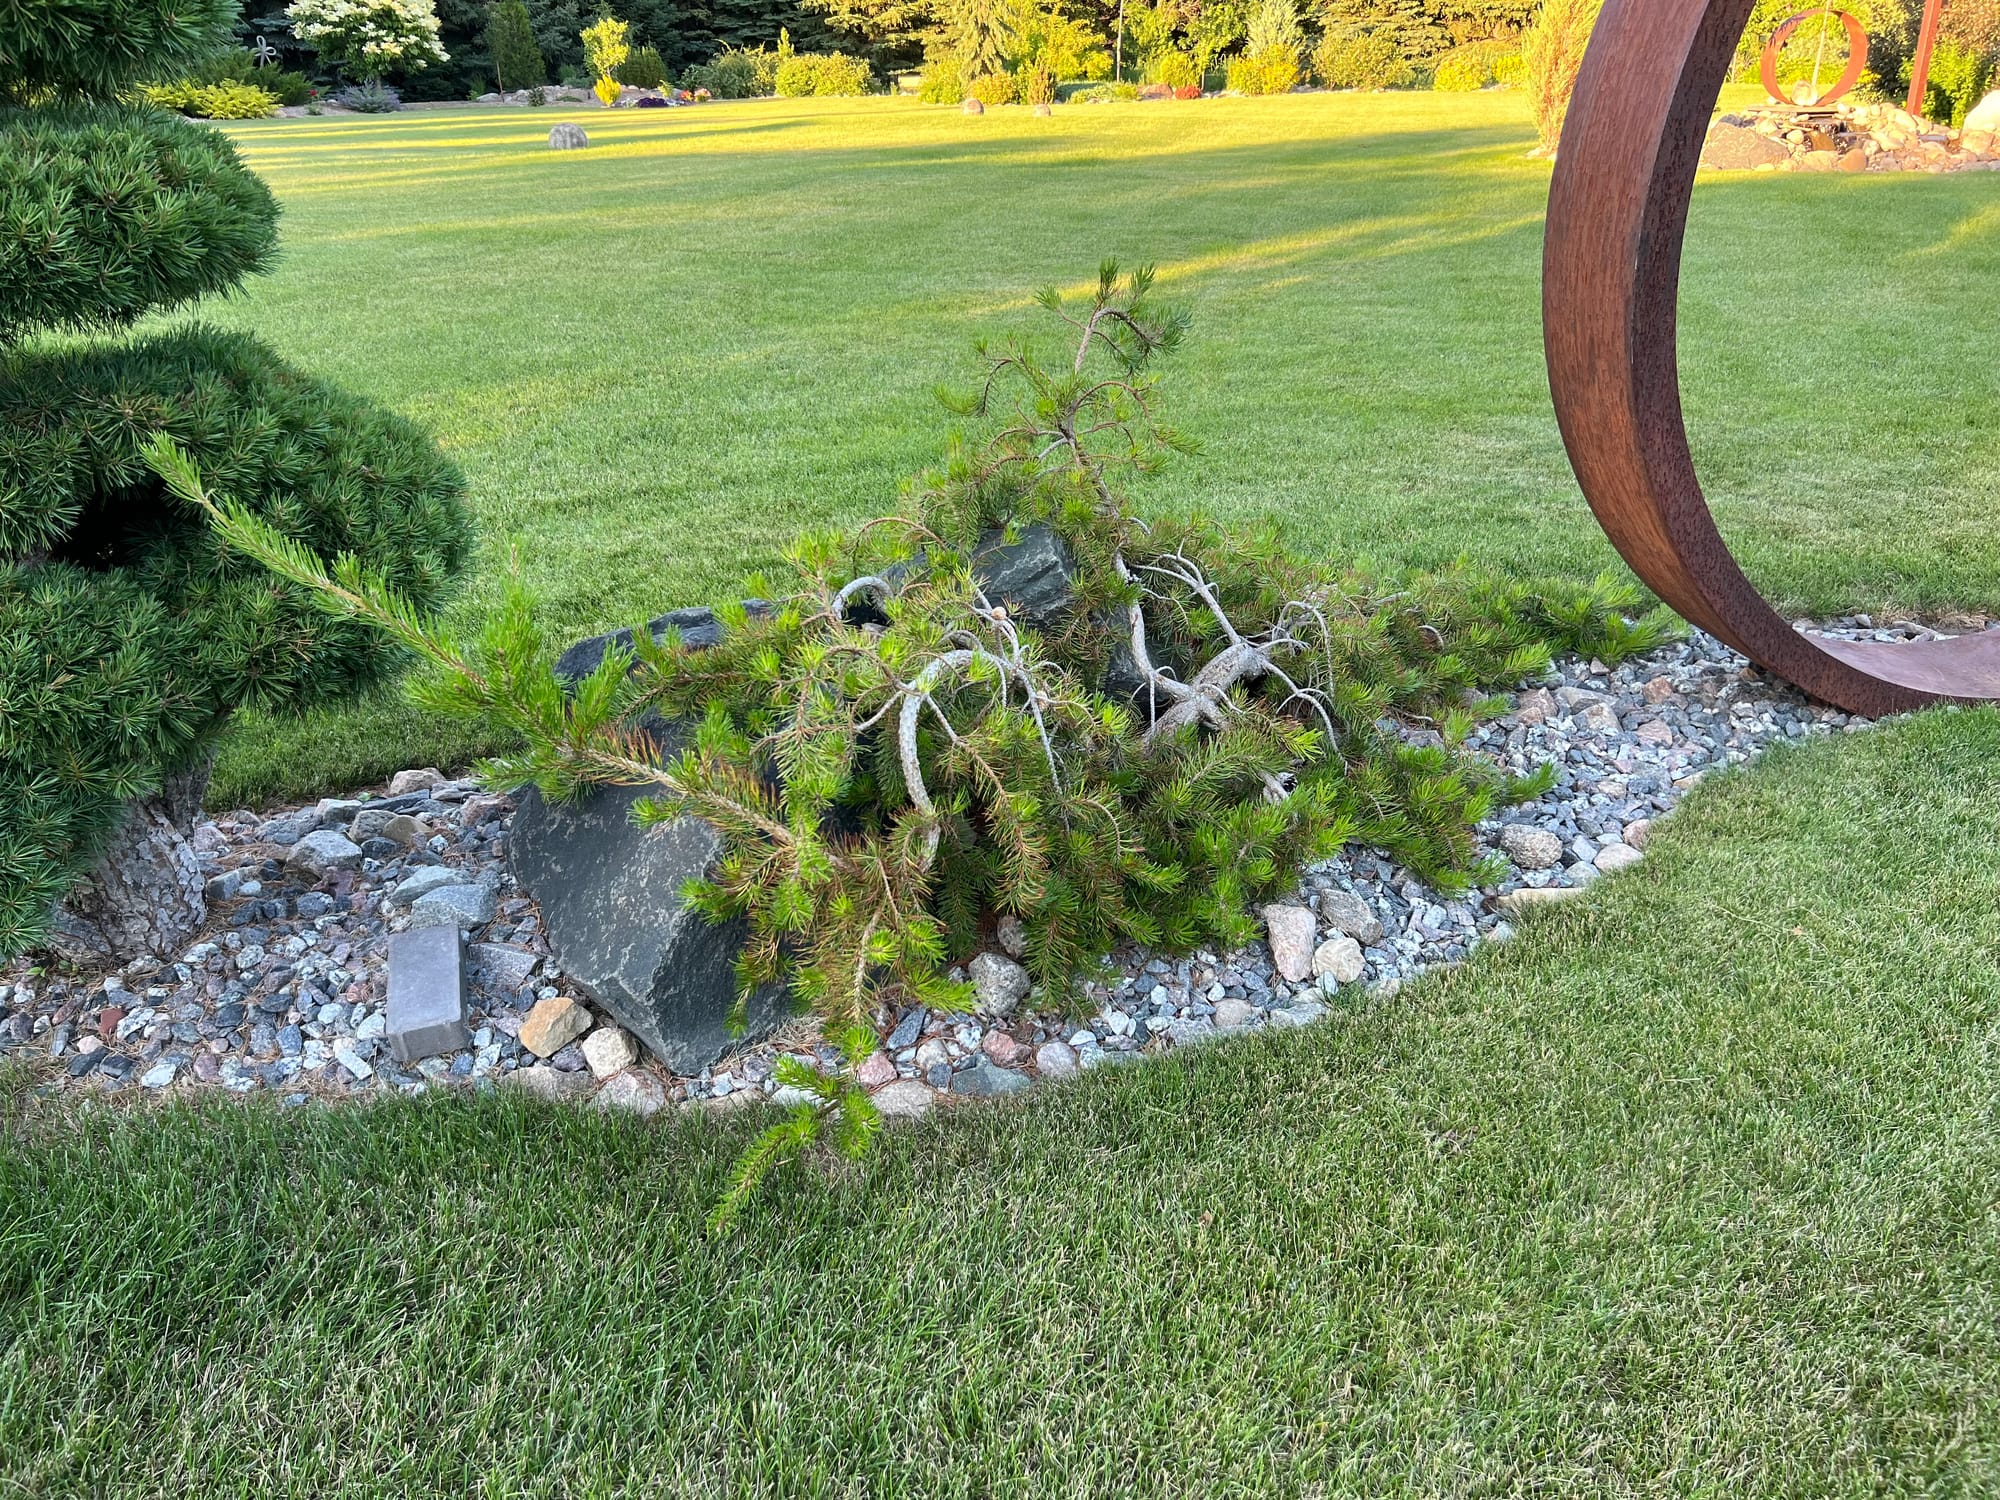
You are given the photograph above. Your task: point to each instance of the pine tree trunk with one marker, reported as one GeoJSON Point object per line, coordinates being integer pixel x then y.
{"type": "Point", "coordinates": [144, 897]}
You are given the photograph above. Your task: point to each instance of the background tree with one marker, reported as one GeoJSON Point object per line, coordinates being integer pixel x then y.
{"type": "Point", "coordinates": [1553, 52]}
{"type": "Point", "coordinates": [605, 49]}
{"type": "Point", "coordinates": [893, 32]}
{"type": "Point", "coordinates": [510, 38]}
{"type": "Point", "coordinates": [126, 637]}
{"type": "Point", "coordinates": [980, 34]}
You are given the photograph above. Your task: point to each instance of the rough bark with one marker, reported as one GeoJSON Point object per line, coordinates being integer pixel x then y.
{"type": "Point", "coordinates": [144, 896]}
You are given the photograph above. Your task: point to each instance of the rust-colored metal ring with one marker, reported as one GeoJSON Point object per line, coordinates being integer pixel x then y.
{"type": "Point", "coordinates": [1610, 284]}
{"type": "Point", "coordinates": [1857, 54]}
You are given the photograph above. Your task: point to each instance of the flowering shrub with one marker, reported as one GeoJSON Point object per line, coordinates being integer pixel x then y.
{"type": "Point", "coordinates": [370, 36]}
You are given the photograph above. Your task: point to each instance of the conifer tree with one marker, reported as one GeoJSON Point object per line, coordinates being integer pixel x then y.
{"type": "Point", "coordinates": [126, 637]}
{"type": "Point", "coordinates": [510, 38]}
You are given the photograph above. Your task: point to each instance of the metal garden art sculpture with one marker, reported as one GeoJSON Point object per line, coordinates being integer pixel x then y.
{"type": "Point", "coordinates": [1857, 57]}
{"type": "Point", "coordinates": [1611, 272]}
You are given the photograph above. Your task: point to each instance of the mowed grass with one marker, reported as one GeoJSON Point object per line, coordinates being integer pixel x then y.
{"type": "Point", "coordinates": [660, 358]}
{"type": "Point", "coordinates": [1689, 1191]}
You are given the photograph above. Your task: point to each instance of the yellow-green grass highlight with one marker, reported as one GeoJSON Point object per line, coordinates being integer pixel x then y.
{"type": "Point", "coordinates": [1687, 1192]}
{"type": "Point", "coordinates": [660, 357]}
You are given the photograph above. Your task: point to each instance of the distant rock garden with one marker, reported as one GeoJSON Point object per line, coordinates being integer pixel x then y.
{"type": "Point", "coordinates": [1853, 137]}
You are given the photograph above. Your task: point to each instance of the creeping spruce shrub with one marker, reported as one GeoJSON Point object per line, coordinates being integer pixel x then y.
{"type": "Point", "coordinates": [126, 638]}
{"type": "Point", "coordinates": [891, 757]}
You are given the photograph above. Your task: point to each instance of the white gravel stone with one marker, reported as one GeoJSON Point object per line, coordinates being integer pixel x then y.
{"type": "Point", "coordinates": [1339, 959]}
{"type": "Point", "coordinates": [1291, 930]}
{"type": "Point", "coordinates": [609, 1050]}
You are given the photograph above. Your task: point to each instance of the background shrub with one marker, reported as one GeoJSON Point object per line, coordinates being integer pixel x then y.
{"type": "Point", "coordinates": [228, 100]}
{"type": "Point", "coordinates": [1177, 70]}
{"type": "Point", "coordinates": [736, 73]}
{"type": "Point", "coordinates": [1268, 72]}
{"type": "Point", "coordinates": [644, 69]}
{"type": "Point", "coordinates": [371, 98]}
{"type": "Point", "coordinates": [944, 81]}
{"type": "Point", "coordinates": [237, 65]}
{"type": "Point", "coordinates": [1958, 80]}
{"type": "Point", "coordinates": [1102, 93]}
{"type": "Point", "coordinates": [807, 73]}
{"type": "Point", "coordinates": [1475, 65]}
{"type": "Point", "coordinates": [1369, 60]}
{"type": "Point", "coordinates": [993, 88]}
{"type": "Point", "coordinates": [1552, 52]}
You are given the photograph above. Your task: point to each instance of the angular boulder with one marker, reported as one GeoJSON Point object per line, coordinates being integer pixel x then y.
{"type": "Point", "coordinates": [1738, 148]}
{"type": "Point", "coordinates": [610, 894]}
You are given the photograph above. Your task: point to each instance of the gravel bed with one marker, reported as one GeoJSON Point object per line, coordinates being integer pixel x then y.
{"type": "Point", "coordinates": [284, 994]}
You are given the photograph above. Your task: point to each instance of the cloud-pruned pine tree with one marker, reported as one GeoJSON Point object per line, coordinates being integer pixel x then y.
{"type": "Point", "coordinates": [127, 636]}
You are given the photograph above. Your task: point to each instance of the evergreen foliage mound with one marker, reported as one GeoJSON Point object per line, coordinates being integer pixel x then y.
{"type": "Point", "coordinates": [892, 757]}
{"type": "Point", "coordinates": [93, 49]}
{"type": "Point", "coordinates": [107, 214]}
{"type": "Point", "coordinates": [127, 636]}
{"type": "Point", "coordinates": [227, 100]}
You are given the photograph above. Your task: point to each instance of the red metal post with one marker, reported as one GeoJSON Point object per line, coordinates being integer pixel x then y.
{"type": "Point", "coordinates": [1920, 64]}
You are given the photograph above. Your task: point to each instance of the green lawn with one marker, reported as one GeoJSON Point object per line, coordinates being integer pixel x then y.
{"type": "Point", "coordinates": [660, 357]}
{"type": "Point", "coordinates": [1689, 1191]}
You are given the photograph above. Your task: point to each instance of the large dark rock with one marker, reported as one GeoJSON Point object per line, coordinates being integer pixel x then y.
{"type": "Point", "coordinates": [610, 894]}
{"type": "Point", "coordinates": [1034, 575]}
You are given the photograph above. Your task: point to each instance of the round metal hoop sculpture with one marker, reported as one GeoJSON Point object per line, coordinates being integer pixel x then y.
{"type": "Point", "coordinates": [1857, 54]}
{"type": "Point", "coordinates": [1610, 285]}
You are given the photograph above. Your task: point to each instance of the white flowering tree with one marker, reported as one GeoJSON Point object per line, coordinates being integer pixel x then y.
{"type": "Point", "coordinates": [368, 37]}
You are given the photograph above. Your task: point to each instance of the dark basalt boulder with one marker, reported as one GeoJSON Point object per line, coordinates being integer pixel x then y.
{"type": "Point", "coordinates": [610, 893]}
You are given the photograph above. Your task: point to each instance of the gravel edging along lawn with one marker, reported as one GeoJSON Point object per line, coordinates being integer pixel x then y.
{"type": "Point", "coordinates": [286, 993]}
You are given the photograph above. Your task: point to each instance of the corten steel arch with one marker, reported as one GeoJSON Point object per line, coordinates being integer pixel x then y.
{"type": "Point", "coordinates": [1857, 54]}
{"type": "Point", "coordinates": [1610, 282]}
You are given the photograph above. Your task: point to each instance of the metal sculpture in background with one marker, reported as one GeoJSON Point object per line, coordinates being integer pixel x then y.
{"type": "Point", "coordinates": [1610, 286]}
{"type": "Point", "coordinates": [1857, 56]}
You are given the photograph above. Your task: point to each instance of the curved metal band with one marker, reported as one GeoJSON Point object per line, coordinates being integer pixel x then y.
{"type": "Point", "coordinates": [1610, 284]}
{"type": "Point", "coordinates": [1857, 54]}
